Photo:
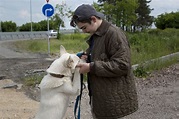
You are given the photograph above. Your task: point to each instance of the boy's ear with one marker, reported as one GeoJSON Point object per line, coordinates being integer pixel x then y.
{"type": "Point", "coordinates": [93, 18]}
{"type": "Point", "coordinates": [62, 50]}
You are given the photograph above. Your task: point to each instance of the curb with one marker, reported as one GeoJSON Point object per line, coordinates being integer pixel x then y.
{"type": "Point", "coordinates": [162, 59]}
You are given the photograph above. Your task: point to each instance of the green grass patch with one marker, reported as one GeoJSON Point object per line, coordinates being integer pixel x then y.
{"type": "Point", "coordinates": [158, 64]}
{"type": "Point", "coordinates": [31, 45]}
{"type": "Point", "coordinates": [72, 42]}
{"type": "Point", "coordinates": [153, 44]}
{"type": "Point", "coordinates": [32, 80]}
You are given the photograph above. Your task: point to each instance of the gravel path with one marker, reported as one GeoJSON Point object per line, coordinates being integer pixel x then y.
{"type": "Point", "coordinates": [158, 93]}
{"type": "Point", "coordinates": [14, 104]}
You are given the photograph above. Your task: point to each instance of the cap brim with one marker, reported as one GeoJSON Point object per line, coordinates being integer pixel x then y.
{"type": "Point", "coordinates": [101, 15]}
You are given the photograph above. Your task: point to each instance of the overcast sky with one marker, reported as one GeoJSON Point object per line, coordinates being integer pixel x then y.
{"type": "Point", "coordinates": [18, 11]}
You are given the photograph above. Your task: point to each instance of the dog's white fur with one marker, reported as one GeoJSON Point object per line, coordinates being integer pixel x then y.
{"type": "Point", "coordinates": [55, 92]}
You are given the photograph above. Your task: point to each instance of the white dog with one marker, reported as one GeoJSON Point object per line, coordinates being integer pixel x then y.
{"type": "Point", "coordinates": [61, 81]}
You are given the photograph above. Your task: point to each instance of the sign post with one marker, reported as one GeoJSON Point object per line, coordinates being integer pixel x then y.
{"type": "Point", "coordinates": [48, 11]}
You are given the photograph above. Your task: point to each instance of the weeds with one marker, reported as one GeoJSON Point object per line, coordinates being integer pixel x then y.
{"type": "Point", "coordinates": [32, 80]}
{"type": "Point", "coordinates": [140, 72]}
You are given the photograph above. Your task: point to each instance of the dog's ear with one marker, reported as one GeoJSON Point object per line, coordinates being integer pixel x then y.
{"type": "Point", "coordinates": [70, 62]}
{"type": "Point", "coordinates": [62, 50]}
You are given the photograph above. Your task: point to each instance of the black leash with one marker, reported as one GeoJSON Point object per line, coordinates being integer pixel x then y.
{"type": "Point", "coordinates": [78, 100]}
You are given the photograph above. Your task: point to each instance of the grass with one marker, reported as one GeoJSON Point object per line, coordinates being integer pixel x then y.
{"type": "Point", "coordinates": [72, 42]}
{"type": "Point", "coordinates": [153, 44]}
{"type": "Point", "coordinates": [32, 80]}
{"type": "Point", "coordinates": [145, 46]}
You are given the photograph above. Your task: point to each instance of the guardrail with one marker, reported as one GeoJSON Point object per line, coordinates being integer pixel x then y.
{"type": "Point", "coordinates": [29, 35]}
{"type": "Point", "coordinates": [22, 35]}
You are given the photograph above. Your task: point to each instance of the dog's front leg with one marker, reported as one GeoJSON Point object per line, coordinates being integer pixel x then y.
{"type": "Point", "coordinates": [73, 87]}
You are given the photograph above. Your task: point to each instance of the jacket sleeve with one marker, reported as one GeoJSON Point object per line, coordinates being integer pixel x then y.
{"type": "Point", "coordinates": [118, 51]}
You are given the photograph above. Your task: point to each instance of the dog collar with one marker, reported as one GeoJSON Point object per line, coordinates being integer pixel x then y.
{"type": "Point", "coordinates": [57, 75]}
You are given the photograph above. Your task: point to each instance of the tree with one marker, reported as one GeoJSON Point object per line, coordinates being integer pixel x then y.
{"type": "Point", "coordinates": [25, 27]}
{"type": "Point", "coordinates": [62, 11]}
{"type": "Point", "coordinates": [120, 12]}
{"type": "Point", "coordinates": [167, 20]}
{"type": "Point", "coordinates": [43, 25]}
{"type": "Point", "coordinates": [127, 16]}
{"type": "Point", "coordinates": [39, 26]}
{"type": "Point", "coordinates": [144, 20]}
{"type": "Point", "coordinates": [8, 26]}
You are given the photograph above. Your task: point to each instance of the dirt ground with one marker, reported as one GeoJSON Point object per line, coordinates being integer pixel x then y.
{"type": "Point", "coordinates": [158, 94]}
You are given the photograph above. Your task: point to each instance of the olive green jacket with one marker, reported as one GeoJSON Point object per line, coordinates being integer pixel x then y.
{"type": "Point", "coordinates": [111, 81]}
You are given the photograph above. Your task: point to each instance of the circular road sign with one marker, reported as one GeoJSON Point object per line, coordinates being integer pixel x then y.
{"type": "Point", "coordinates": [48, 10]}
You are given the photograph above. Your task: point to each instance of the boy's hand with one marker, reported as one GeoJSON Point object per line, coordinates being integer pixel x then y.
{"type": "Point", "coordinates": [82, 55]}
{"type": "Point", "coordinates": [84, 67]}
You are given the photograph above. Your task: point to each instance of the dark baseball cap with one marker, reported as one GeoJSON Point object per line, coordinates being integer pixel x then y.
{"type": "Point", "coordinates": [84, 12]}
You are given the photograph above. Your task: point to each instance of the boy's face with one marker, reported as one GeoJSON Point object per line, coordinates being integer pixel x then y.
{"type": "Point", "coordinates": [87, 27]}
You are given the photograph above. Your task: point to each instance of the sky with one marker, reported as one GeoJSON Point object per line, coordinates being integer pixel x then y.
{"type": "Point", "coordinates": [18, 11]}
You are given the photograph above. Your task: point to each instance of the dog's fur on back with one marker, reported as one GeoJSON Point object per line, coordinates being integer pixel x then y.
{"type": "Point", "coordinates": [61, 81]}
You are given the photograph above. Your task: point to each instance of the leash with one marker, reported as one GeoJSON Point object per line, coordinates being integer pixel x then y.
{"type": "Point", "coordinates": [78, 100]}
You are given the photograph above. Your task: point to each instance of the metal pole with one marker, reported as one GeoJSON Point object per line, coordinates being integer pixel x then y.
{"type": "Point", "coordinates": [0, 29]}
{"type": "Point", "coordinates": [0, 26]}
{"type": "Point", "coordinates": [48, 31]}
{"type": "Point", "coordinates": [48, 35]}
{"type": "Point", "coordinates": [31, 15]}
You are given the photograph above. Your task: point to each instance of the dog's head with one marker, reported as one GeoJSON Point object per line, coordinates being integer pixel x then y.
{"type": "Point", "coordinates": [65, 65]}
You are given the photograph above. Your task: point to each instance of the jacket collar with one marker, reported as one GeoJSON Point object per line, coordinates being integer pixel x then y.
{"type": "Point", "coordinates": [102, 28]}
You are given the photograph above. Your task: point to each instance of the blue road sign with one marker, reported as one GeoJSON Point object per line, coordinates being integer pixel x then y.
{"type": "Point", "coordinates": [48, 10]}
